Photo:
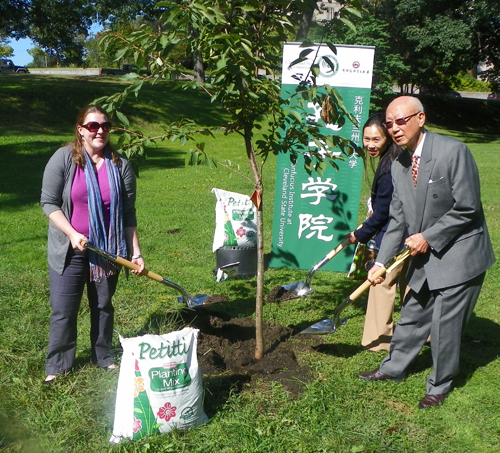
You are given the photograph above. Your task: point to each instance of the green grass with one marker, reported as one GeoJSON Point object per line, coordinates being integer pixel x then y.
{"type": "Point", "coordinates": [336, 413]}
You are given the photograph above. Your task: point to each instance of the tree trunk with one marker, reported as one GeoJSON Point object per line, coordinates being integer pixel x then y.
{"type": "Point", "coordinates": [305, 24]}
{"type": "Point", "coordinates": [259, 297]}
{"type": "Point", "coordinates": [199, 71]}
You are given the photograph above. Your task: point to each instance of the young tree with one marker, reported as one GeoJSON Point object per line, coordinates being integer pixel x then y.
{"type": "Point", "coordinates": [238, 40]}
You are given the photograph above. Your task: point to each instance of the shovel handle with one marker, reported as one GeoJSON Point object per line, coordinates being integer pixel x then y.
{"type": "Point", "coordinates": [129, 265]}
{"type": "Point", "coordinates": [337, 249]}
{"type": "Point", "coordinates": [365, 285]}
{"type": "Point", "coordinates": [380, 272]}
{"type": "Point", "coordinates": [122, 262]}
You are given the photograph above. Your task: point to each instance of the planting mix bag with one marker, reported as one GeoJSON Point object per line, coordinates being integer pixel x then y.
{"type": "Point", "coordinates": [235, 217]}
{"type": "Point", "coordinates": [159, 387]}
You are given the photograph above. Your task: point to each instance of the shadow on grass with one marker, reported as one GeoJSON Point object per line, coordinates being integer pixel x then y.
{"type": "Point", "coordinates": [218, 390]}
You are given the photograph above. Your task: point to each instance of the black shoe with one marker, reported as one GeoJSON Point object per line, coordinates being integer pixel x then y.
{"type": "Point", "coordinates": [431, 401]}
{"type": "Point", "coordinates": [377, 375]}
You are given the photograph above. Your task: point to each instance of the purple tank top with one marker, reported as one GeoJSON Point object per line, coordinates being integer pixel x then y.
{"type": "Point", "coordinates": [79, 199]}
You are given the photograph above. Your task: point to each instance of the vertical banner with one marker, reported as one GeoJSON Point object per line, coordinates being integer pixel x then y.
{"type": "Point", "coordinates": [312, 214]}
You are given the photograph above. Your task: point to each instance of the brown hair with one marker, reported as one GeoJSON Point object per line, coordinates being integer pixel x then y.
{"type": "Point", "coordinates": [77, 153]}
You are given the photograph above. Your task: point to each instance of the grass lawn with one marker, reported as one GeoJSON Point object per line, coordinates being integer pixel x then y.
{"type": "Point", "coordinates": [337, 412]}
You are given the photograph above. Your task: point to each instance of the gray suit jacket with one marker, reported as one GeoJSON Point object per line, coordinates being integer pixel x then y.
{"type": "Point", "coordinates": [446, 208]}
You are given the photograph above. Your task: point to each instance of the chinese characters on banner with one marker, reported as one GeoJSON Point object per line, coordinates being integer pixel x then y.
{"type": "Point", "coordinates": [312, 214]}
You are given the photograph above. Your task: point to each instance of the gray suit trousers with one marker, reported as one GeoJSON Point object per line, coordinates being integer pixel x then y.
{"type": "Point", "coordinates": [442, 314]}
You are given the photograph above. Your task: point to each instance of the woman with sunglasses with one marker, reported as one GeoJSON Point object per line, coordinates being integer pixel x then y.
{"type": "Point", "coordinates": [88, 194]}
{"type": "Point", "coordinates": [378, 328]}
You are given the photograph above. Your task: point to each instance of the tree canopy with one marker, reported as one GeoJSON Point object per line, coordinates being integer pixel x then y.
{"type": "Point", "coordinates": [423, 42]}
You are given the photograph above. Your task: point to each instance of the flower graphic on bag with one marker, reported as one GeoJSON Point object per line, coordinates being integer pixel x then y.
{"type": "Point", "coordinates": [241, 232]}
{"type": "Point", "coordinates": [137, 426]}
{"type": "Point", "coordinates": [167, 412]}
{"type": "Point", "coordinates": [138, 386]}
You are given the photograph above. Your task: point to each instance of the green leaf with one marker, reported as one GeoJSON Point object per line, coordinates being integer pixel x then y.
{"type": "Point", "coordinates": [305, 53]}
{"type": "Point", "coordinates": [188, 158]}
{"type": "Point", "coordinates": [354, 12]}
{"type": "Point", "coordinates": [122, 118]}
{"type": "Point", "coordinates": [332, 47]}
{"type": "Point", "coordinates": [348, 23]}
{"type": "Point", "coordinates": [296, 115]}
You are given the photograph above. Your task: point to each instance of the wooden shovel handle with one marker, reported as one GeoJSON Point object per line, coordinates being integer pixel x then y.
{"type": "Point", "coordinates": [122, 262]}
{"type": "Point", "coordinates": [365, 285]}
{"type": "Point", "coordinates": [380, 272]}
{"type": "Point", "coordinates": [337, 249]}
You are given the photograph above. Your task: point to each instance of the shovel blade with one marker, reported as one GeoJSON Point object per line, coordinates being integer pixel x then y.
{"type": "Point", "coordinates": [203, 299]}
{"type": "Point", "coordinates": [321, 328]}
{"type": "Point", "coordinates": [324, 327]}
{"type": "Point", "coordinates": [296, 290]}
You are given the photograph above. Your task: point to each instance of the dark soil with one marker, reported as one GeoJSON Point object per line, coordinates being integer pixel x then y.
{"type": "Point", "coordinates": [215, 299]}
{"type": "Point", "coordinates": [279, 294]}
{"type": "Point", "coordinates": [226, 350]}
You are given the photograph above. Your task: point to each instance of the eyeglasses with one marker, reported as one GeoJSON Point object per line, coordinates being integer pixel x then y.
{"type": "Point", "coordinates": [94, 126]}
{"type": "Point", "coordinates": [399, 121]}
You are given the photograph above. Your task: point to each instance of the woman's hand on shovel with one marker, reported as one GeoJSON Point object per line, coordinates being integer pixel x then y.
{"type": "Point", "coordinates": [78, 241]}
{"type": "Point", "coordinates": [139, 261]}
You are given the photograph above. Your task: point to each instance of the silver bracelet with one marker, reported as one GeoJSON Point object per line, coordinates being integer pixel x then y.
{"type": "Point", "coordinates": [136, 257]}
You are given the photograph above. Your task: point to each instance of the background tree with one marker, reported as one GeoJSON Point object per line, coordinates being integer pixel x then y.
{"type": "Point", "coordinates": [41, 59]}
{"type": "Point", "coordinates": [238, 40]}
{"type": "Point", "coordinates": [425, 42]}
{"type": "Point", "coordinates": [6, 51]}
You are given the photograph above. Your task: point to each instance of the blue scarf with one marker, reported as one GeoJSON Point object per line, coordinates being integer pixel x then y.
{"type": "Point", "coordinates": [114, 241]}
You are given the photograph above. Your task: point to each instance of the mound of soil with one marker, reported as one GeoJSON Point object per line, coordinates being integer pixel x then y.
{"type": "Point", "coordinates": [226, 350]}
{"type": "Point", "coordinates": [279, 294]}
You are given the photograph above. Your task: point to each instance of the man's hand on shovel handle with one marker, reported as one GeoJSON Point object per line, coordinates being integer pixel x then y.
{"type": "Point", "coordinates": [417, 244]}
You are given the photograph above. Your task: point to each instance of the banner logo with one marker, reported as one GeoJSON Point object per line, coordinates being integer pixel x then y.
{"type": "Point", "coordinates": [325, 69]}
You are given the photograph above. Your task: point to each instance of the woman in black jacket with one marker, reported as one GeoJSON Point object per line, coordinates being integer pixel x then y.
{"type": "Point", "coordinates": [378, 327]}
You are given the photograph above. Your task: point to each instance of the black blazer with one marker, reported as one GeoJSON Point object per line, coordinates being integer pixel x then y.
{"type": "Point", "coordinates": [376, 225]}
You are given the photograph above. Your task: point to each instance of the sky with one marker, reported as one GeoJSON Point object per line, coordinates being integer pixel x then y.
{"type": "Point", "coordinates": [21, 56]}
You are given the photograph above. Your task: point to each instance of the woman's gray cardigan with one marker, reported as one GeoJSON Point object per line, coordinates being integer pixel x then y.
{"type": "Point", "coordinates": [56, 194]}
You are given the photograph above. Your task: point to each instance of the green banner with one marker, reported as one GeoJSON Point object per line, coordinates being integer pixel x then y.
{"type": "Point", "coordinates": [312, 214]}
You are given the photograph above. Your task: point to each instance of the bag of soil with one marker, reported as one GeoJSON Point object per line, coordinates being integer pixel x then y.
{"type": "Point", "coordinates": [235, 220]}
{"type": "Point", "coordinates": [159, 386]}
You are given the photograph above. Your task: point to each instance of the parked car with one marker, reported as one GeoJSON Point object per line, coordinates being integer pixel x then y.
{"type": "Point", "coordinates": [125, 69]}
{"type": "Point", "coordinates": [494, 96]}
{"type": "Point", "coordinates": [9, 67]}
{"type": "Point", "coordinates": [440, 90]}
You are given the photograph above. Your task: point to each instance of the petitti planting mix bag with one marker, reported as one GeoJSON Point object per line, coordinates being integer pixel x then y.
{"type": "Point", "coordinates": [235, 217]}
{"type": "Point", "coordinates": [159, 387]}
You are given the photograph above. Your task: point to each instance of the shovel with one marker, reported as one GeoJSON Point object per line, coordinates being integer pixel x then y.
{"type": "Point", "coordinates": [301, 289]}
{"type": "Point", "coordinates": [190, 301]}
{"type": "Point", "coordinates": [330, 325]}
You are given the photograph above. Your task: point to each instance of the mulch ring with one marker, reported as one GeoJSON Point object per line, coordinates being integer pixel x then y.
{"type": "Point", "coordinates": [226, 350]}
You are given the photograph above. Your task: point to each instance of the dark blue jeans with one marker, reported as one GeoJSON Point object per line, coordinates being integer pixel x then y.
{"type": "Point", "coordinates": [66, 292]}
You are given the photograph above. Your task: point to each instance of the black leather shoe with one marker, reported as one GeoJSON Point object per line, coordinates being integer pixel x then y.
{"type": "Point", "coordinates": [377, 375]}
{"type": "Point", "coordinates": [431, 401]}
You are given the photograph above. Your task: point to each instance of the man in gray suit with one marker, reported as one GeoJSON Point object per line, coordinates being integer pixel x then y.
{"type": "Point", "coordinates": [437, 201]}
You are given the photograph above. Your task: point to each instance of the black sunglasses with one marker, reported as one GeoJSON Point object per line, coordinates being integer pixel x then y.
{"type": "Point", "coordinates": [94, 126]}
{"type": "Point", "coordinates": [399, 121]}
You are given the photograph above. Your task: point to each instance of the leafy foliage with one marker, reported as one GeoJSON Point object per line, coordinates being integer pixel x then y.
{"type": "Point", "coordinates": [423, 42]}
